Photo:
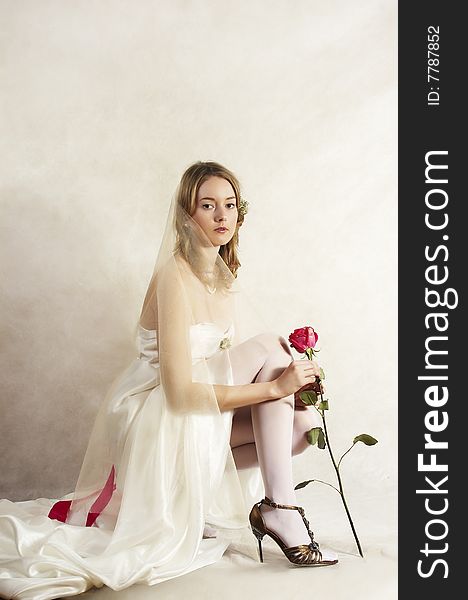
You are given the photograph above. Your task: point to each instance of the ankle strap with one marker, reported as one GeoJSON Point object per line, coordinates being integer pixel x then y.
{"type": "Point", "coordinates": [313, 545]}
{"type": "Point", "coordinates": [267, 500]}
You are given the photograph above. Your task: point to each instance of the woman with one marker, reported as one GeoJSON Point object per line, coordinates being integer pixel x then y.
{"type": "Point", "coordinates": [189, 436]}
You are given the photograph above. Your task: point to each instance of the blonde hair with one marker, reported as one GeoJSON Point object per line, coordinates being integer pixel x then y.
{"type": "Point", "coordinates": [187, 192]}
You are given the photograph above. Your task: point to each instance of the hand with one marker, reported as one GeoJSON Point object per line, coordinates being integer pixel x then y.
{"type": "Point", "coordinates": [297, 374]}
{"type": "Point", "coordinates": [298, 404]}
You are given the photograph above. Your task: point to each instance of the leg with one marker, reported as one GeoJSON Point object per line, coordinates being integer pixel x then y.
{"type": "Point", "coordinates": [247, 361]}
{"type": "Point", "coordinates": [243, 445]}
{"type": "Point", "coordinates": [272, 426]}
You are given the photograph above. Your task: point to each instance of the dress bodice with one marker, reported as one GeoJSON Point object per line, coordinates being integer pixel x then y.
{"type": "Point", "coordinates": [205, 340]}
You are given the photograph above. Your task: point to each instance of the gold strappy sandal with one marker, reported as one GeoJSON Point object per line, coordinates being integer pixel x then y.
{"type": "Point", "coordinates": [304, 554]}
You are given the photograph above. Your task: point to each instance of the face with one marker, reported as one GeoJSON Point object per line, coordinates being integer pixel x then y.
{"type": "Point", "coordinates": [216, 207]}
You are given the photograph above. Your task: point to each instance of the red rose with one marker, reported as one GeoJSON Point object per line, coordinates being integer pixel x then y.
{"type": "Point", "coordinates": [303, 338]}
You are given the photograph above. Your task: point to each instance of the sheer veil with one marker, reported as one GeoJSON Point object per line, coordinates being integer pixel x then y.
{"type": "Point", "coordinates": [199, 312]}
{"type": "Point", "coordinates": [158, 466]}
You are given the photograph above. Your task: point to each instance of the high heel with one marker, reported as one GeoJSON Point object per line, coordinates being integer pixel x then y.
{"type": "Point", "coordinates": [304, 554]}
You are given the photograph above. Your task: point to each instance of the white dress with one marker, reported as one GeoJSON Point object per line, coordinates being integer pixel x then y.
{"type": "Point", "coordinates": [166, 477]}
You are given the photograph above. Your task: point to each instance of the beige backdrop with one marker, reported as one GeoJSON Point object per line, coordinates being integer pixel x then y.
{"type": "Point", "coordinates": [104, 104]}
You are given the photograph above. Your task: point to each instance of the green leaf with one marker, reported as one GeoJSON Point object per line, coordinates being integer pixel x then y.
{"type": "Point", "coordinates": [323, 405]}
{"type": "Point", "coordinates": [322, 373]}
{"type": "Point", "coordinates": [309, 397]}
{"type": "Point", "coordinates": [303, 484]}
{"type": "Point", "coordinates": [313, 435]}
{"type": "Point", "coordinates": [366, 439]}
{"type": "Point", "coordinates": [321, 440]}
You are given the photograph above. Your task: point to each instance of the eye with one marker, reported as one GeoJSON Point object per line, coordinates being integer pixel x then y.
{"type": "Point", "coordinates": [203, 205]}
{"type": "Point", "coordinates": [233, 204]}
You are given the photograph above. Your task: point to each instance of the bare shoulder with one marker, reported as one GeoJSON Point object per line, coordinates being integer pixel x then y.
{"type": "Point", "coordinates": [175, 271]}
{"type": "Point", "coordinates": [181, 262]}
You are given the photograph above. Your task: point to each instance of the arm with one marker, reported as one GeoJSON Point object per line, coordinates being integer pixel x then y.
{"type": "Point", "coordinates": [175, 360]}
{"type": "Point", "coordinates": [298, 376]}
{"type": "Point", "coordinates": [236, 396]}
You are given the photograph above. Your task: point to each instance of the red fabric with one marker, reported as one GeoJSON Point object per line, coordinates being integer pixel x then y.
{"type": "Point", "coordinates": [60, 509]}
{"type": "Point", "coordinates": [102, 500]}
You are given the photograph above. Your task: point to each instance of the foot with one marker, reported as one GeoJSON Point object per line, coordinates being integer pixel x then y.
{"type": "Point", "coordinates": [288, 524]}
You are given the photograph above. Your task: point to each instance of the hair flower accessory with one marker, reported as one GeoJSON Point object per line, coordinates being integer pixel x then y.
{"type": "Point", "coordinates": [243, 206]}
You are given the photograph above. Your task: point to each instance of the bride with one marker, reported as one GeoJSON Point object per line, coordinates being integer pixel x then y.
{"type": "Point", "coordinates": [201, 425]}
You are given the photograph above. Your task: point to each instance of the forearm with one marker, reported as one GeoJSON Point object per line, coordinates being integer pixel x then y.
{"type": "Point", "coordinates": [236, 396]}
{"type": "Point", "coordinates": [189, 397]}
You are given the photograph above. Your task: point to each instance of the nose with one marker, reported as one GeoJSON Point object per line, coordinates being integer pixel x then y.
{"type": "Point", "coordinates": [221, 216]}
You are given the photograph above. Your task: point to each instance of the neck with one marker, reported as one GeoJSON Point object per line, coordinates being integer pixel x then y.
{"type": "Point", "coordinates": [209, 257]}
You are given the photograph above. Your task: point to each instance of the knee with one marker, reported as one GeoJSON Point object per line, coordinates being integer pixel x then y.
{"type": "Point", "coordinates": [273, 341]}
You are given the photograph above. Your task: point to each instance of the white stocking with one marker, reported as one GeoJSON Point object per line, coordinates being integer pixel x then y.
{"type": "Point", "coordinates": [264, 358]}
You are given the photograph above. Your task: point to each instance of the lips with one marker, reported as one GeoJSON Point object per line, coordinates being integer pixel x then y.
{"type": "Point", "coordinates": [221, 229]}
